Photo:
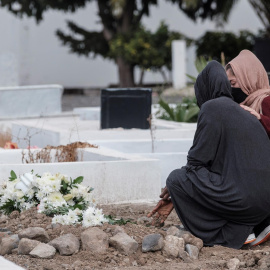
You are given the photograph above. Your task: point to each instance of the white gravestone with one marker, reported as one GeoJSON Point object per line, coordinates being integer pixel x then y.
{"type": "Point", "coordinates": [8, 69]}
{"type": "Point", "coordinates": [179, 76]}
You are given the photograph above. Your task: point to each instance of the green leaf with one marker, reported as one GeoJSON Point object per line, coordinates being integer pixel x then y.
{"type": "Point", "coordinates": [9, 207]}
{"type": "Point", "coordinates": [192, 112]}
{"type": "Point", "coordinates": [13, 176]}
{"type": "Point", "coordinates": [78, 180]}
{"type": "Point", "coordinates": [191, 77]}
{"type": "Point", "coordinates": [114, 221]}
{"type": "Point", "coordinates": [167, 108]}
{"type": "Point", "coordinates": [64, 185]}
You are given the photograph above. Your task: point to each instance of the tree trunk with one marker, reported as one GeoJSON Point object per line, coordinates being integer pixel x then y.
{"type": "Point", "coordinates": [125, 73]}
{"type": "Point", "coordinates": [141, 77]}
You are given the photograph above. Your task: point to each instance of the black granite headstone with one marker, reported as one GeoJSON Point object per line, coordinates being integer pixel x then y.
{"type": "Point", "coordinates": [125, 107]}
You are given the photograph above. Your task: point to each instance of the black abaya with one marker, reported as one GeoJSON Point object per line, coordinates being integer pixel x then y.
{"type": "Point", "coordinates": [224, 190]}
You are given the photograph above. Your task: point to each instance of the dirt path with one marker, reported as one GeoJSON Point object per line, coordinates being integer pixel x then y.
{"type": "Point", "coordinates": [210, 258]}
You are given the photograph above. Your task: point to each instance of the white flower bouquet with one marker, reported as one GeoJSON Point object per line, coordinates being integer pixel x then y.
{"type": "Point", "coordinates": [67, 200]}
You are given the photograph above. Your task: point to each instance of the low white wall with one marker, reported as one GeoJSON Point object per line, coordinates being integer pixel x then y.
{"type": "Point", "coordinates": [168, 162]}
{"type": "Point", "coordinates": [30, 101]}
{"type": "Point", "coordinates": [145, 146]}
{"type": "Point", "coordinates": [172, 153]}
{"type": "Point", "coordinates": [127, 179]}
{"type": "Point", "coordinates": [24, 135]}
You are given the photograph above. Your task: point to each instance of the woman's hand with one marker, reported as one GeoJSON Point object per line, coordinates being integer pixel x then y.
{"type": "Point", "coordinates": [161, 212]}
{"type": "Point", "coordinates": [165, 194]}
{"type": "Point", "coordinates": [257, 115]}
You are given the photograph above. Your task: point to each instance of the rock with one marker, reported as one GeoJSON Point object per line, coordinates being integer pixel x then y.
{"type": "Point", "coordinates": [144, 220]}
{"type": "Point", "coordinates": [3, 219]}
{"type": "Point", "coordinates": [117, 230]}
{"type": "Point", "coordinates": [152, 242]}
{"type": "Point", "coordinates": [126, 261]}
{"type": "Point", "coordinates": [14, 251]}
{"type": "Point", "coordinates": [77, 264]}
{"type": "Point", "coordinates": [233, 264]}
{"type": "Point", "coordinates": [35, 233]}
{"type": "Point", "coordinates": [124, 243]}
{"type": "Point", "coordinates": [4, 234]}
{"type": "Point", "coordinates": [4, 230]}
{"type": "Point", "coordinates": [184, 256]}
{"type": "Point", "coordinates": [222, 263]}
{"type": "Point", "coordinates": [8, 244]}
{"type": "Point", "coordinates": [242, 265]}
{"type": "Point", "coordinates": [26, 246]}
{"type": "Point", "coordinates": [43, 251]}
{"type": "Point", "coordinates": [192, 240]}
{"type": "Point", "coordinates": [14, 214]}
{"type": "Point", "coordinates": [264, 263]}
{"type": "Point", "coordinates": [56, 225]}
{"type": "Point", "coordinates": [173, 245]}
{"type": "Point", "coordinates": [192, 251]}
{"type": "Point", "coordinates": [66, 244]}
{"type": "Point", "coordinates": [173, 230]}
{"type": "Point", "coordinates": [95, 240]}
{"type": "Point", "coordinates": [250, 262]}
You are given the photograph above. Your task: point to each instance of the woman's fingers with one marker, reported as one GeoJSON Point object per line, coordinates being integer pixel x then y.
{"type": "Point", "coordinates": [155, 209]}
{"type": "Point", "coordinates": [166, 197]}
{"type": "Point", "coordinates": [253, 112]}
{"type": "Point", "coordinates": [164, 192]}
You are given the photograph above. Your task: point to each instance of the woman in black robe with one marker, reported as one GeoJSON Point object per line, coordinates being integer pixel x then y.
{"type": "Point", "coordinates": [224, 190]}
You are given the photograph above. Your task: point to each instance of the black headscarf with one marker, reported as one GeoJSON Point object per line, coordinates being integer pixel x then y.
{"type": "Point", "coordinates": [224, 190]}
{"type": "Point", "coordinates": [217, 86]}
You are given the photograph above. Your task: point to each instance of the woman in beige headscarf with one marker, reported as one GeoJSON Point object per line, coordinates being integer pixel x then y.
{"type": "Point", "coordinates": [250, 86]}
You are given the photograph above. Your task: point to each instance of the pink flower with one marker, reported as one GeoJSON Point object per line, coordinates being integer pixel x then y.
{"type": "Point", "coordinates": [11, 145]}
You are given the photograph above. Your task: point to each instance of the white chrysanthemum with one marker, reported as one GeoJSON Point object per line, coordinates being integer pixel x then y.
{"type": "Point", "coordinates": [30, 193]}
{"type": "Point", "coordinates": [40, 195]}
{"type": "Point", "coordinates": [74, 192]}
{"type": "Point", "coordinates": [26, 205]}
{"type": "Point", "coordinates": [18, 194]}
{"type": "Point", "coordinates": [55, 197]}
{"type": "Point", "coordinates": [46, 174]}
{"type": "Point", "coordinates": [88, 197]}
{"type": "Point", "coordinates": [72, 217]}
{"type": "Point", "coordinates": [71, 202]}
{"type": "Point", "coordinates": [63, 177]}
{"type": "Point", "coordinates": [80, 191]}
{"type": "Point", "coordinates": [78, 211]}
{"type": "Point", "coordinates": [55, 185]}
{"type": "Point", "coordinates": [57, 219]}
{"type": "Point", "coordinates": [87, 221]}
{"type": "Point", "coordinates": [98, 212]}
{"type": "Point", "coordinates": [5, 198]}
{"type": "Point", "coordinates": [46, 189]}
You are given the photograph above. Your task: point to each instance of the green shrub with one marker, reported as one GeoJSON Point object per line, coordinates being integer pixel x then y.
{"type": "Point", "coordinates": [186, 111]}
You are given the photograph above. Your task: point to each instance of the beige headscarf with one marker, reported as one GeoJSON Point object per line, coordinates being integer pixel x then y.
{"type": "Point", "coordinates": [252, 78]}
